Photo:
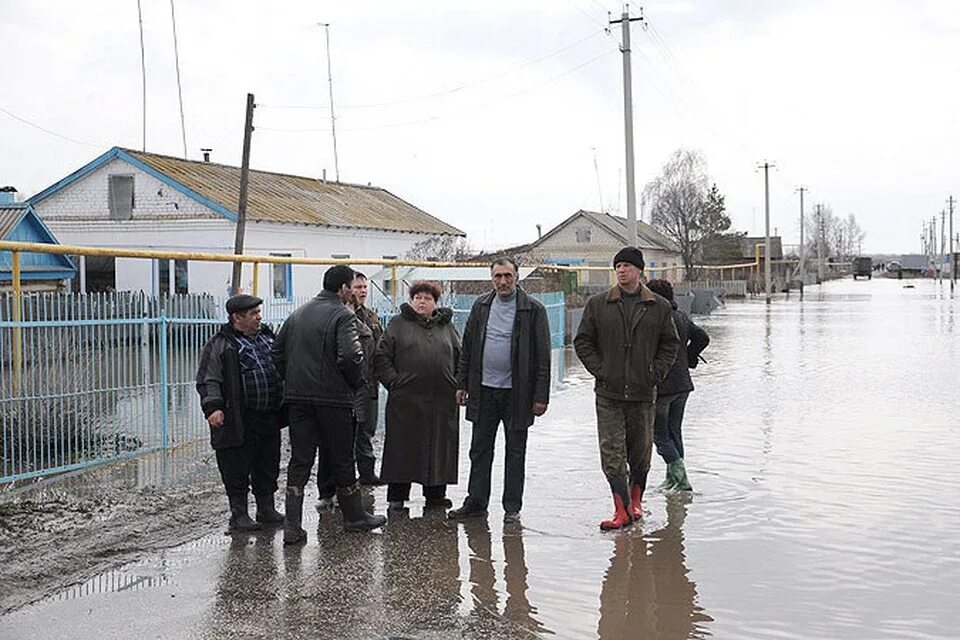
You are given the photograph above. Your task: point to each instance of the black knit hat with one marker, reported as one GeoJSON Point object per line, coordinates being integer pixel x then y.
{"type": "Point", "coordinates": [629, 254]}
{"type": "Point", "coordinates": [241, 302]}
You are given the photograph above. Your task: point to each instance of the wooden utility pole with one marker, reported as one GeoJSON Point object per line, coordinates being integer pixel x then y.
{"type": "Point", "coordinates": [624, 23]}
{"type": "Point", "coordinates": [242, 205]}
{"type": "Point", "coordinates": [803, 247]}
{"type": "Point", "coordinates": [820, 239]}
{"type": "Point", "coordinates": [953, 260]}
{"type": "Point", "coordinates": [767, 278]}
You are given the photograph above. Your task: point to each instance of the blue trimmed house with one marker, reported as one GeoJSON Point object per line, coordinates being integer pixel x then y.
{"type": "Point", "coordinates": [38, 271]}
{"type": "Point", "coordinates": [133, 199]}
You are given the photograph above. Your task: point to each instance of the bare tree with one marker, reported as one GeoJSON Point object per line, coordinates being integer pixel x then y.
{"type": "Point", "coordinates": [684, 206]}
{"type": "Point", "coordinates": [439, 249]}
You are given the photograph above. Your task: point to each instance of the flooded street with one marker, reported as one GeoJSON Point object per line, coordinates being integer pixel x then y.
{"type": "Point", "coordinates": [822, 446]}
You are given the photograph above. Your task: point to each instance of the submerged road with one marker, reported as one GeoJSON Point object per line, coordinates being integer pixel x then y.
{"type": "Point", "coordinates": [822, 445]}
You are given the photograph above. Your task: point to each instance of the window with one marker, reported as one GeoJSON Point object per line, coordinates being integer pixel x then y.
{"type": "Point", "coordinates": [387, 288]}
{"type": "Point", "coordinates": [282, 278]}
{"type": "Point", "coordinates": [120, 197]}
{"type": "Point", "coordinates": [180, 282]}
{"type": "Point", "coordinates": [163, 277]}
{"type": "Point", "coordinates": [583, 235]}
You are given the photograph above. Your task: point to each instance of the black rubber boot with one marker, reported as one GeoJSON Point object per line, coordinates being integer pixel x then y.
{"type": "Point", "coordinates": [266, 511]}
{"type": "Point", "coordinates": [293, 533]}
{"type": "Point", "coordinates": [354, 516]}
{"type": "Point", "coordinates": [368, 477]}
{"type": "Point", "coordinates": [240, 521]}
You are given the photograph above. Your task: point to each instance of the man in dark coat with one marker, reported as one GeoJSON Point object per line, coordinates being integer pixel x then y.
{"type": "Point", "coordinates": [368, 408]}
{"type": "Point", "coordinates": [240, 392]}
{"type": "Point", "coordinates": [504, 376]}
{"type": "Point", "coordinates": [673, 391]}
{"type": "Point", "coordinates": [628, 342]}
{"type": "Point", "coordinates": [319, 356]}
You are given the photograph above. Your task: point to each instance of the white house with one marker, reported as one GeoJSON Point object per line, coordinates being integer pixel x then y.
{"type": "Point", "coordinates": [132, 199]}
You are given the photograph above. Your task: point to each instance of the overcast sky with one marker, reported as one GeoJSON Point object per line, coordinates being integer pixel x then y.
{"type": "Point", "coordinates": [491, 115]}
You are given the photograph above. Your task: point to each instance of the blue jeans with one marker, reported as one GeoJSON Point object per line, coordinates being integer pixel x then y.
{"type": "Point", "coordinates": [667, 427]}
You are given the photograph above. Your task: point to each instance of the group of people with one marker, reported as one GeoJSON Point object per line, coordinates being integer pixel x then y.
{"type": "Point", "coordinates": [321, 373]}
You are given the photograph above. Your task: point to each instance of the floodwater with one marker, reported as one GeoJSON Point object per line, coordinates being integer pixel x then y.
{"type": "Point", "coordinates": [822, 446]}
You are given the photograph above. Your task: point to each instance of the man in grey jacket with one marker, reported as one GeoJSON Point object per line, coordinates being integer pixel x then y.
{"type": "Point", "coordinates": [318, 354]}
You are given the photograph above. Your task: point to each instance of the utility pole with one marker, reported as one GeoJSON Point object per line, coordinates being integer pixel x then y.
{"type": "Point", "coordinates": [624, 22]}
{"type": "Point", "coordinates": [143, 77]}
{"type": "Point", "coordinates": [242, 206]}
{"type": "Point", "coordinates": [333, 119]}
{"type": "Point", "coordinates": [819, 209]}
{"type": "Point", "coordinates": [953, 259]}
{"type": "Point", "coordinates": [767, 279]}
{"type": "Point", "coordinates": [176, 58]}
{"type": "Point", "coordinates": [803, 246]}
{"type": "Point", "coordinates": [943, 242]}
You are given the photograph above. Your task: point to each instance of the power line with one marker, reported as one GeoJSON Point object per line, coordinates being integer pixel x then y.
{"type": "Point", "coordinates": [445, 92]}
{"type": "Point", "coordinates": [453, 114]}
{"type": "Point", "coordinates": [48, 131]}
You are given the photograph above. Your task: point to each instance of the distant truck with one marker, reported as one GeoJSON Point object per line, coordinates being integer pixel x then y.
{"type": "Point", "coordinates": [863, 266]}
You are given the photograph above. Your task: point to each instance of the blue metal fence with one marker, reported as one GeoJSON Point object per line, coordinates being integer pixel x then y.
{"type": "Point", "coordinates": [111, 375]}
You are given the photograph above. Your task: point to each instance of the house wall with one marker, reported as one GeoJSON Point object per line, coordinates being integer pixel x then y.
{"type": "Point", "coordinates": [599, 251]}
{"type": "Point", "coordinates": [87, 198]}
{"type": "Point", "coordinates": [217, 236]}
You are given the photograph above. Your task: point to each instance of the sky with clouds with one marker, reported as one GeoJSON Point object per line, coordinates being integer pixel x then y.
{"type": "Point", "coordinates": [501, 115]}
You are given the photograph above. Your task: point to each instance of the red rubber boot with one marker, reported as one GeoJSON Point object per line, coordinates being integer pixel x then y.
{"type": "Point", "coordinates": [620, 517]}
{"type": "Point", "coordinates": [636, 509]}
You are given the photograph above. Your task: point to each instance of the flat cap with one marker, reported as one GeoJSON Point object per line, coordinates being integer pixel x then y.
{"type": "Point", "coordinates": [241, 302]}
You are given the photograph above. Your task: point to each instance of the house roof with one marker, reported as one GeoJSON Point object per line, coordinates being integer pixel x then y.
{"type": "Point", "coordinates": [647, 236]}
{"type": "Point", "coordinates": [275, 197]}
{"type": "Point", "coordinates": [19, 222]}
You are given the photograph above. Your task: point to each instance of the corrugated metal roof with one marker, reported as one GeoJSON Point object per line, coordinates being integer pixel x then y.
{"type": "Point", "coordinates": [9, 217]}
{"type": "Point", "coordinates": [277, 197]}
{"type": "Point", "coordinates": [443, 274]}
{"type": "Point", "coordinates": [648, 236]}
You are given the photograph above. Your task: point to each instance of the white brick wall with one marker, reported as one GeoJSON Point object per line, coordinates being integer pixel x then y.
{"type": "Point", "coordinates": [87, 198]}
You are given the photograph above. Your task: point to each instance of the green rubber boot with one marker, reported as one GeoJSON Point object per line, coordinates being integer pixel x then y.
{"type": "Point", "coordinates": [682, 483]}
{"type": "Point", "coordinates": [670, 482]}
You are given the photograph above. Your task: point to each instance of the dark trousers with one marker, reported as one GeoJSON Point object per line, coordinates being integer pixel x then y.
{"type": "Point", "coordinates": [329, 429]}
{"type": "Point", "coordinates": [256, 463]}
{"type": "Point", "coordinates": [667, 428]}
{"type": "Point", "coordinates": [496, 407]}
{"type": "Point", "coordinates": [363, 450]}
{"type": "Point", "coordinates": [400, 491]}
{"type": "Point", "coordinates": [366, 429]}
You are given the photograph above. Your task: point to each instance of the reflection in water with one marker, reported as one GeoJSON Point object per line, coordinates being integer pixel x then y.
{"type": "Point", "coordinates": [647, 592]}
{"type": "Point", "coordinates": [421, 568]}
{"type": "Point", "coordinates": [518, 614]}
{"type": "Point", "coordinates": [115, 581]}
{"type": "Point", "coordinates": [247, 586]}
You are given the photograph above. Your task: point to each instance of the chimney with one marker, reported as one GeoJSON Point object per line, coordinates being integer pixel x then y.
{"type": "Point", "coordinates": [324, 175]}
{"type": "Point", "coordinates": [8, 195]}
{"type": "Point", "coordinates": [206, 154]}
{"type": "Point", "coordinates": [539, 232]}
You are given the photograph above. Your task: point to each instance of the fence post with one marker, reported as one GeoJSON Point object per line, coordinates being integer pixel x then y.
{"type": "Point", "coordinates": [17, 329]}
{"type": "Point", "coordinates": [164, 382]}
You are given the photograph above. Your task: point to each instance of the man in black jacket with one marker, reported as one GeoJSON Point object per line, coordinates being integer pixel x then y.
{"type": "Point", "coordinates": [319, 356]}
{"type": "Point", "coordinates": [503, 376]}
{"type": "Point", "coordinates": [240, 392]}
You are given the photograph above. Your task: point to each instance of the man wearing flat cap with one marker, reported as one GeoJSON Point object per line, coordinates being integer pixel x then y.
{"type": "Point", "coordinates": [627, 340]}
{"type": "Point", "coordinates": [240, 393]}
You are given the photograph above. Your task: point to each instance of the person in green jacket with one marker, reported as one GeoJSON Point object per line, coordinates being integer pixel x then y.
{"type": "Point", "coordinates": [628, 342]}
